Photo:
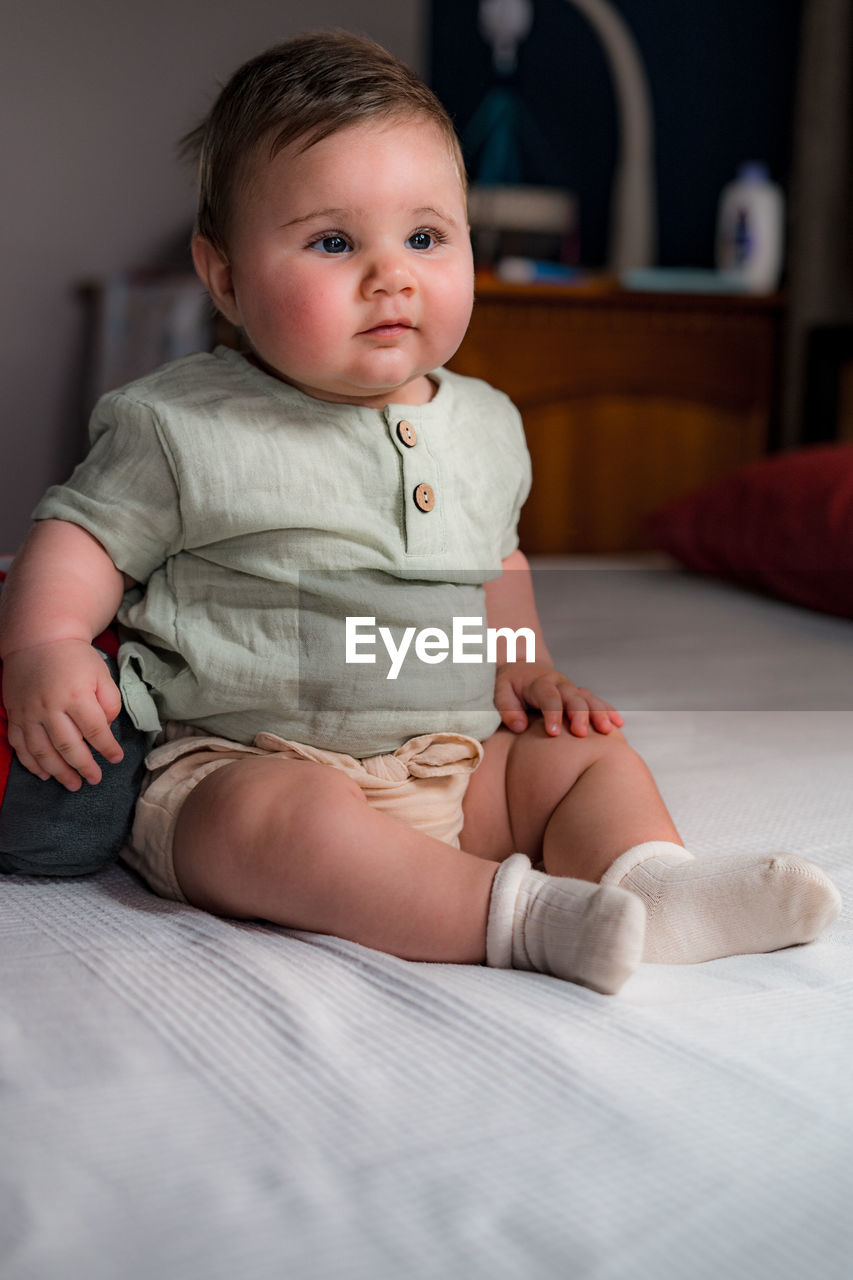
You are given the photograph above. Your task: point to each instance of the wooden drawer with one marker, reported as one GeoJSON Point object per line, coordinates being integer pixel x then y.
{"type": "Point", "coordinates": [628, 399]}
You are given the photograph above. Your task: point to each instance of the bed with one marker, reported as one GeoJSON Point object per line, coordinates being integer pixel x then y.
{"type": "Point", "coordinates": [194, 1098]}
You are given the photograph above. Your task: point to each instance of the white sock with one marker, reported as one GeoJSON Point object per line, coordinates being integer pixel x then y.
{"type": "Point", "coordinates": [702, 909]}
{"type": "Point", "coordinates": [583, 932]}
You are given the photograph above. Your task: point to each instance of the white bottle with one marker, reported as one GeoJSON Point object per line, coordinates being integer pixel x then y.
{"type": "Point", "coordinates": [751, 230]}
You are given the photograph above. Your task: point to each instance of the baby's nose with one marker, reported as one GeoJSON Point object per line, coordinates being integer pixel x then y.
{"type": "Point", "coordinates": [389, 272]}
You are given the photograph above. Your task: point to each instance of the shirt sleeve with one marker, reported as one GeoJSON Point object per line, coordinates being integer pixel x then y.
{"type": "Point", "coordinates": [125, 491]}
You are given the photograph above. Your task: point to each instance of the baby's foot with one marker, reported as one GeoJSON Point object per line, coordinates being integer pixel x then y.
{"type": "Point", "coordinates": [586, 933]}
{"type": "Point", "coordinates": [702, 909]}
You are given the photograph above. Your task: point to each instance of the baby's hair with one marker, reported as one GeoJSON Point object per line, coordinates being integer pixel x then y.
{"type": "Point", "coordinates": [302, 90]}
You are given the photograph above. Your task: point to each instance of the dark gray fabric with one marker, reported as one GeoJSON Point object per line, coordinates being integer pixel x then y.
{"type": "Point", "coordinates": [820, 260]}
{"type": "Point", "coordinates": [46, 830]}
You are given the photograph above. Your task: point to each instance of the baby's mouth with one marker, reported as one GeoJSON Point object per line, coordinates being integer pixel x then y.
{"type": "Point", "coordinates": [388, 329]}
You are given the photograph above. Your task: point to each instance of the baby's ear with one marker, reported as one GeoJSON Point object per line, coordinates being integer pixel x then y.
{"type": "Point", "coordinates": [214, 270]}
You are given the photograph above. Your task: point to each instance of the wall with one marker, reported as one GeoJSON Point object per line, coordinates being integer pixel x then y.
{"type": "Point", "coordinates": [93, 95]}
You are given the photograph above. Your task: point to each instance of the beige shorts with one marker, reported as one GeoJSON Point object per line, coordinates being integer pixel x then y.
{"type": "Point", "coordinates": [422, 784]}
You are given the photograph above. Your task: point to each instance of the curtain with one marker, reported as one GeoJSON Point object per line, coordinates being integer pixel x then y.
{"type": "Point", "coordinates": [820, 260]}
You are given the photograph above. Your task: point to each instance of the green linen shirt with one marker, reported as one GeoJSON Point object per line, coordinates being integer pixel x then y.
{"type": "Point", "coordinates": [256, 520]}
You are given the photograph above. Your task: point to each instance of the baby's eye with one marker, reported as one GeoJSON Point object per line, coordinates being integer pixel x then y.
{"type": "Point", "coordinates": [422, 240]}
{"type": "Point", "coordinates": [331, 244]}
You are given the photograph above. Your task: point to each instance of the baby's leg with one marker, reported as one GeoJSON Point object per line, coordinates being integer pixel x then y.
{"type": "Point", "coordinates": [574, 803]}
{"type": "Point", "coordinates": [298, 844]}
{"type": "Point", "coordinates": [590, 808]}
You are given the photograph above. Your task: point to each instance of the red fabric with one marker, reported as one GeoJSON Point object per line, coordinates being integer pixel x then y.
{"type": "Point", "coordinates": [783, 525]}
{"type": "Point", "coordinates": [107, 642]}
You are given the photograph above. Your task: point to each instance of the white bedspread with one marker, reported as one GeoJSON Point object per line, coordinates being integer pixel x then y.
{"type": "Point", "coordinates": [185, 1097]}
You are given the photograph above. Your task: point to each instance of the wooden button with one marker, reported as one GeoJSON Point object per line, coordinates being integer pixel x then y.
{"type": "Point", "coordinates": [424, 497]}
{"type": "Point", "coordinates": [406, 433]}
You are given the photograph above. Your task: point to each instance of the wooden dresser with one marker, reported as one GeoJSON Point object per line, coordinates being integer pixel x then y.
{"type": "Point", "coordinates": [628, 399]}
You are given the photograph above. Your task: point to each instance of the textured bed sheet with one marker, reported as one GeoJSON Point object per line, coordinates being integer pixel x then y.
{"type": "Point", "coordinates": [194, 1099]}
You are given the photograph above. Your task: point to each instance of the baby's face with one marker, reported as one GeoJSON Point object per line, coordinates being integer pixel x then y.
{"type": "Point", "coordinates": [351, 267]}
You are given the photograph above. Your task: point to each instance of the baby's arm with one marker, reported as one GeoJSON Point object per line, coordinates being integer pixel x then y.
{"type": "Point", "coordinates": [63, 589]}
{"type": "Point", "coordinates": [510, 603]}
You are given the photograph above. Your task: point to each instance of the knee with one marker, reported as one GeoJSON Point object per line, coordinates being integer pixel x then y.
{"type": "Point", "coordinates": [248, 824]}
{"type": "Point", "coordinates": [614, 749]}
{"type": "Point", "coordinates": [271, 799]}
{"type": "Point", "coordinates": [614, 741]}
{"type": "Point", "coordinates": [541, 770]}
{"type": "Point", "coordinates": [310, 807]}
{"type": "Point", "coordinates": [536, 748]}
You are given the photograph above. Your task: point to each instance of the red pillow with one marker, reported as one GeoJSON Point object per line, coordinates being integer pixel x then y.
{"type": "Point", "coordinates": [782, 525]}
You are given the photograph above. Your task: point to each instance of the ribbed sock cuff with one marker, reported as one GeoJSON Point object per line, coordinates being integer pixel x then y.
{"type": "Point", "coordinates": [632, 858]}
{"type": "Point", "coordinates": [505, 887]}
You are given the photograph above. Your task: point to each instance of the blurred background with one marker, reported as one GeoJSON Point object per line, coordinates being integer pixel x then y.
{"type": "Point", "coordinates": [95, 95]}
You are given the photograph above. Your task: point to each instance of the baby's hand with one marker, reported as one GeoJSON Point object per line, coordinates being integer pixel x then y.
{"type": "Point", "coordinates": [60, 697]}
{"type": "Point", "coordinates": [530, 684]}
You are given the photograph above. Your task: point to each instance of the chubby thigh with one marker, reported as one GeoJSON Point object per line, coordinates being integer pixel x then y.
{"type": "Point", "coordinates": [421, 785]}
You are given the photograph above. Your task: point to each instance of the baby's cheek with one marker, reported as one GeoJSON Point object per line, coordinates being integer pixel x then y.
{"type": "Point", "coordinates": [455, 293]}
{"type": "Point", "coordinates": [304, 316]}
{"type": "Point", "coordinates": [452, 310]}
{"type": "Point", "coordinates": [287, 327]}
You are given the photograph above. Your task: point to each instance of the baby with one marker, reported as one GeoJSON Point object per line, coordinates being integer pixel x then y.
{"type": "Point", "coordinates": [243, 512]}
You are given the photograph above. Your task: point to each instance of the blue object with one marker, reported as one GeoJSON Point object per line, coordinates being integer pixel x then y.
{"type": "Point", "coordinates": [536, 271]}
{"type": "Point", "coordinates": [680, 280]}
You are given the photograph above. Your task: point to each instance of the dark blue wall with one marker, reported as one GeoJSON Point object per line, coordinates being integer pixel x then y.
{"type": "Point", "coordinates": [722, 75]}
